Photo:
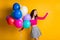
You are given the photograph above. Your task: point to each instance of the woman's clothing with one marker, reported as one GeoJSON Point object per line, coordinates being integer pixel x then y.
{"type": "Point", "coordinates": [35, 33]}
{"type": "Point", "coordinates": [34, 22]}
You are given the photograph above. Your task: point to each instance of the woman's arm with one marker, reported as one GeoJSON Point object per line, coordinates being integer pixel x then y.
{"type": "Point", "coordinates": [42, 18]}
{"type": "Point", "coordinates": [21, 29]}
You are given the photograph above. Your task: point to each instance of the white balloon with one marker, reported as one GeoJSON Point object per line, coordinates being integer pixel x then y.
{"type": "Point", "coordinates": [24, 10]}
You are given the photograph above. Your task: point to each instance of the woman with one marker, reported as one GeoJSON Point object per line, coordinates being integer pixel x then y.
{"type": "Point", "coordinates": [35, 33]}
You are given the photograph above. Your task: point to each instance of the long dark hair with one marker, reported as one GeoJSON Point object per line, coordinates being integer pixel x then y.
{"type": "Point", "coordinates": [32, 14]}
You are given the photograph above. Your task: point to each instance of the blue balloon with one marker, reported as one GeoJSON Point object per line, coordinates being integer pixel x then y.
{"type": "Point", "coordinates": [17, 14]}
{"type": "Point", "coordinates": [26, 24]}
{"type": "Point", "coordinates": [16, 6]}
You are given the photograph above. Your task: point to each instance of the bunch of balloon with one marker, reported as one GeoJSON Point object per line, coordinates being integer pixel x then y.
{"type": "Point", "coordinates": [16, 16]}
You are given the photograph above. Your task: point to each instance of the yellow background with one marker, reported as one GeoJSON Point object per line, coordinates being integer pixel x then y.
{"type": "Point", "coordinates": [50, 27]}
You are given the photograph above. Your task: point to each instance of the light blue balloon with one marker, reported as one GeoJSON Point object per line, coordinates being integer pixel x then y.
{"type": "Point", "coordinates": [26, 24]}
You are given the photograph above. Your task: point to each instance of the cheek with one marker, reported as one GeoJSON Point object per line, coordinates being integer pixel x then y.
{"type": "Point", "coordinates": [35, 14]}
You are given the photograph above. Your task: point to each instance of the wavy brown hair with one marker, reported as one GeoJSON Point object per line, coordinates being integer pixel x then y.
{"type": "Point", "coordinates": [32, 14]}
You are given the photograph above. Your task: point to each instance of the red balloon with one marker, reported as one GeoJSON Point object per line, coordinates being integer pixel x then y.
{"type": "Point", "coordinates": [10, 20]}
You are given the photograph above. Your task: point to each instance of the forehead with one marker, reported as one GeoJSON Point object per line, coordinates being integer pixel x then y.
{"type": "Point", "coordinates": [35, 11]}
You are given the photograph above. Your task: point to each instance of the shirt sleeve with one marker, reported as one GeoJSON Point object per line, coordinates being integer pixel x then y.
{"type": "Point", "coordinates": [42, 18]}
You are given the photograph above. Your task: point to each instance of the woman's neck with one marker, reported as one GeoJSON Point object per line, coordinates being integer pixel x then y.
{"type": "Point", "coordinates": [33, 18]}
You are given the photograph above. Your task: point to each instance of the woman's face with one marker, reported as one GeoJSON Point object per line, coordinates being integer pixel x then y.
{"type": "Point", "coordinates": [35, 12]}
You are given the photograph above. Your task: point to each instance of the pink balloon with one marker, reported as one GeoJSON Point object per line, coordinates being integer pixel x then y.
{"type": "Point", "coordinates": [18, 23]}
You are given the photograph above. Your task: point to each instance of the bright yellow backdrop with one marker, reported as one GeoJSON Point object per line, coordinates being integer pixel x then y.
{"type": "Point", "coordinates": [50, 27]}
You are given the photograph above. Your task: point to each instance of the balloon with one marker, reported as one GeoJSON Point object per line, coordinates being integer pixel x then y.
{"type": "Point", "coordinates": [26, 24]}
{"type": "Point", "coordinates": [27, 17]}
{"type": "Point", "coordinates": [10, 20]}
{"type": "Point", "coordinates": [16, 6]}
{"type": "Point", "coordinates": [17, 14]}
{"type": "Point", "coordinates": [18, 23]}
{"type": "Point", "coordinates": [21, 19]}
{"type": "Point", "coordinates": [24, 10]}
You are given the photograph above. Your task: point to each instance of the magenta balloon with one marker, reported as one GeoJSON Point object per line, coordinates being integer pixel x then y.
{"type": "Point", "coordinates": [27, 17]}
{"type": "Point", "coordinates": [18, 23]}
